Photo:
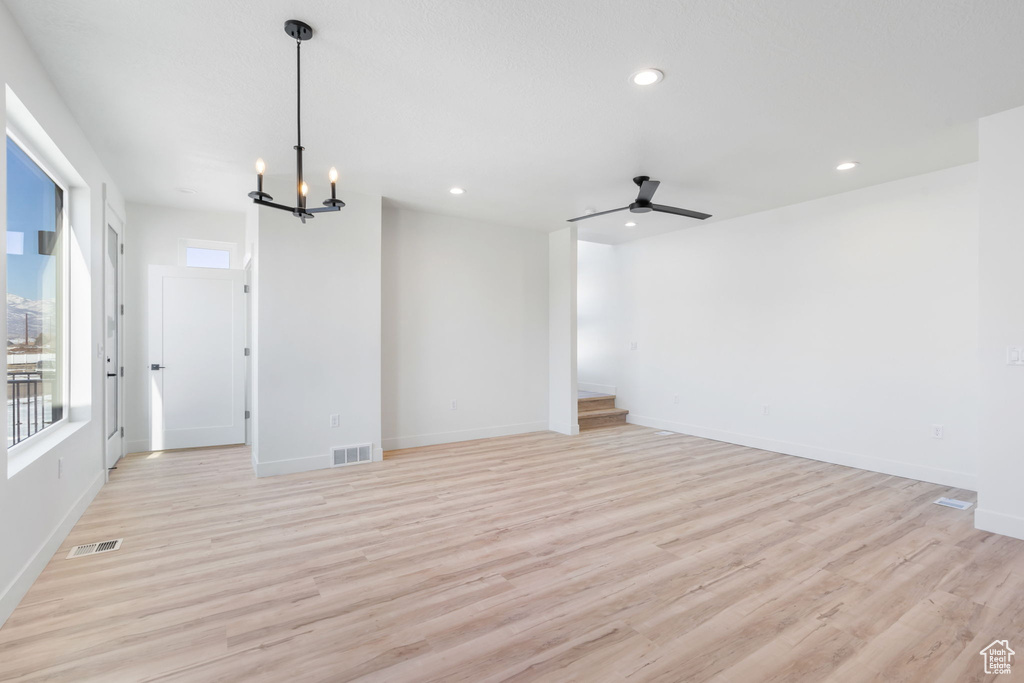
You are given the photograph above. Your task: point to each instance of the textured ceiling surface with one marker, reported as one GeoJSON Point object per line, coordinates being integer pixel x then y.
{"type": "Point", "coordinates": [527, 104]}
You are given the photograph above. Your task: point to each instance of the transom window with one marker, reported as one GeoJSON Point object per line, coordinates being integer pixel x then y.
{"type": "Point", "coordinates": [198, 257]}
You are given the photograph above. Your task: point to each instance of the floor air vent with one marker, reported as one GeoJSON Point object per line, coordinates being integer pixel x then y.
{"type": "Point", "coordinates": [953, 503]}
{"type": "Point", "coordinates": [95, 548]}
{"type": "Point", "coordinates": [352, 455]}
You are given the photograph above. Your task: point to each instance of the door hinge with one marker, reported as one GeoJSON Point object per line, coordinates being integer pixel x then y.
{"type": "Point", "coordinates": [245, 288]}
{"type": "Point", "coordinates": [247, 352]}
{"type": "Point", "coordinates": [122, 432]}
{"type": "Point", "coordinates": [122, 371]}
{"type": "Point", "coordinates": [122, 309]}
{"type": "Point", "coordinates": [122, 248]}
{"type": "Point", "coordinates": [247, 415]}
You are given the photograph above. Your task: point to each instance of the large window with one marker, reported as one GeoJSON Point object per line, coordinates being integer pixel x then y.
{"type": "Point", "coordinates": [36, 366]}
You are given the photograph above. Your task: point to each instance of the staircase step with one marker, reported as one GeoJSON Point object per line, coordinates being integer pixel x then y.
{"type": "Point", "coordinates": [603, 417]}
{"type": "Point", "coordinates": [595, 403]}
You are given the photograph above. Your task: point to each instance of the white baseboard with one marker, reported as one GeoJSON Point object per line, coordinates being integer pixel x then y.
{"type": "Point", "coordinates": [293, 466]}
{"type": "Point", "coordinates": [137, 446]}
{"type": "Point", "coordinates": [598, 388]}
{"type": "Point", "coordinates": [398, 442]}
{"type": "Point", "coordinates": [999, 523]}
{"type": "Point", "coordinates": [871, 463]}
{"type": "Point", "coordinates": [13, 594]}
{"type": "Point", "coordinates": [564, 428]}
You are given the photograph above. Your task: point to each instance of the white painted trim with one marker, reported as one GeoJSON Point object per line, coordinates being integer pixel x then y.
{"type": "Point", "coordinates": [398, 442]}
{"type": "Point", "coordinates": [564, 428]}
{"type": "Point", "coordinates": [13, 594]}
{"type": "Point", "coordinates": [597, 388]}
{"type": "Point", "coordinates": [293, 466]}
{"type": "Point", "coordinates": [999, 523]}
{"type": "Point", "coordinates": [871, 463]}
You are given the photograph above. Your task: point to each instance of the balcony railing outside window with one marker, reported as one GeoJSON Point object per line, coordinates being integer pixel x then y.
{"type": "Point", "coordinates": [29, 404]}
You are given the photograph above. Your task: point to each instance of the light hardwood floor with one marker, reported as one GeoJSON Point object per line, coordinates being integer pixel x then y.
{"type": "Point", "coordinates": [615, 555]}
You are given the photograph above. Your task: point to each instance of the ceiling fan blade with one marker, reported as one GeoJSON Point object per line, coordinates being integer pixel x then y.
{"type": "Point", "coordinates": [647, 190]}
{"type": "Point", "coordinates": [599, 213]}
{"type": "Point", "coordinates": [680, 212]}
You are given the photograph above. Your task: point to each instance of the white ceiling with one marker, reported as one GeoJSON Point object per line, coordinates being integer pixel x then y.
{"type": "Point", "coordinates": [527, 104]}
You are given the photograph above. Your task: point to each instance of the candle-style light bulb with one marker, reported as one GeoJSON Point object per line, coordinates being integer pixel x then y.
{"type": "Point", "coordinates": [260, 168]}
{"type": "Point", "coordinates": [304, 189]}
{"type": "Point", "coordinates": [333, 175]}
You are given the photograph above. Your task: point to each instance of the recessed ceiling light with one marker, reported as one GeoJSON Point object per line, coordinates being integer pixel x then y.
{"type": "Point", "coordinates": [847, 165]}
{"type": "Point", "coordinates": [188, 190]}
{"type": "Point", "coordinates": [647, 77]}
{"type": "Point", "coordinates": [631, 224]}
{"type": "Point", "coordinates": [457, 190]}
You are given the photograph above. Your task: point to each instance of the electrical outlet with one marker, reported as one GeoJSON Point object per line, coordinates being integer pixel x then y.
{"type": "Point", "coordinates": [936, 431]}
{"type": "Point", "coordinates": [60, 468]}
{"type": "Point", "coordinates": [675, 399]}
{"type": "Point", "coordinates": [335, 420]}
{"type": "Point", "coordinates": [455, 404]}
{"type": "Point", "coordinates": [632, 346]}
{"type": "Point", "coordinates": [766, 410]}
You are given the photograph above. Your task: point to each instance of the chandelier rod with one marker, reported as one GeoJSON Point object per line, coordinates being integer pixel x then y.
{"type": "Point", "coordinates": [300, 200]}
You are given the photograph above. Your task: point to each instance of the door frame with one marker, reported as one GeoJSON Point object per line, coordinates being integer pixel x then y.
{"type": "Point", "coordinates": [249, 357]}
{"type": "Point", "coordinates": [113, 221]}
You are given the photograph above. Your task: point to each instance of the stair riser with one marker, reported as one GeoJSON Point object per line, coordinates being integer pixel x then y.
{"type": "Point", "coordinates": [603, 421]}
{"type": "Point", "coordinates": [585, 404]}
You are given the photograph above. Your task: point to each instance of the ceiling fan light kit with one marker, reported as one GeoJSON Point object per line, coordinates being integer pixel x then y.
{"type": "Point", "coordinates": [299, 31]}
{"type": "Point", "coordinates": [643, 203]}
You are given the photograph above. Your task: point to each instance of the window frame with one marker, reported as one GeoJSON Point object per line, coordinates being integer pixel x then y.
{"type": "Point", "coordinates": [64, 267]}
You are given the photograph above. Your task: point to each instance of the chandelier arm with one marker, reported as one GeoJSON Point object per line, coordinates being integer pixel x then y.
{"type": "Point", "coordinates": [273, 205]}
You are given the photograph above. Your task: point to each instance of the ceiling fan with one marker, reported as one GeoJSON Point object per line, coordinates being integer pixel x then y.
{"type": "Point", "coordinates": [643, 203]}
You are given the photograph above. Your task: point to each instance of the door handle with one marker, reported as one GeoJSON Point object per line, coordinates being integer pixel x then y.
{"type": "Point", "coordinates": [111, 374]}
{"type": "Point", "coordinates": [156, 366]}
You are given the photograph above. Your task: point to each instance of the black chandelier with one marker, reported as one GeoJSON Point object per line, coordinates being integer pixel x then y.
{"type": "Point", "coordinates": [300, 31]}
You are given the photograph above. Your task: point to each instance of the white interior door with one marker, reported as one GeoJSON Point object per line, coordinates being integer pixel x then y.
{"type": "Point", "coordinates": [114, 379]}
{"type": "Point", "coordinates": [197, 357]}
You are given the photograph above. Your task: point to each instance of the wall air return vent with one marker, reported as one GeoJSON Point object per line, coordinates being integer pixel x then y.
{"type": "Point", "coordinates": [95, 548]}
{"type": "Point", "coordinates": [352, 455]}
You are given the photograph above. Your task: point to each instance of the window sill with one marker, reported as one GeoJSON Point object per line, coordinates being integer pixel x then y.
{"type": "Point", "coordinates": [27, 452]}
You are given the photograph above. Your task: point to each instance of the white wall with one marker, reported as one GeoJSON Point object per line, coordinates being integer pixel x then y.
{"type": "Point", "coordinates": [319, 341]}
{"type": "Point", "coordinates": [562, 384]}
{"type": "Point", "coordinates": [1001, 260]}
{"type": "Point", "coordinates": [597, 335]}
{"type": "Point", "coordinates": [37, 510]}
{"type": "Point", "coordinates": [465, 319]}
{"type": "Point", "coordinates": [156, 231]}
{"type": "Point", "coordinates": [852, 317]}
